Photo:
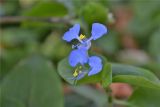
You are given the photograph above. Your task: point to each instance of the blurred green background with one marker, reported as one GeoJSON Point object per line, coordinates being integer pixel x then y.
{"type": "Point", "coordinates": [31, 46]}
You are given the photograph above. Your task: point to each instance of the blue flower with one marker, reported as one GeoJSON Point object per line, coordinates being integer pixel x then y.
{"type": "Point", "coordinates": [79, 57]}
{"type": "Point", "coordinates": [98, 30]}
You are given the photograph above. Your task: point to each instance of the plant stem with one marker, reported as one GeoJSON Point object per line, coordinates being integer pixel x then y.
{"type": "Point", "coordinates": [19, 19]}
{"type": "Point", "coordinates": [110, 99]}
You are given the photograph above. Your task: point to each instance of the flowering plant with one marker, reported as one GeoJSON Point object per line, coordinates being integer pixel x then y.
{"type": "Point", "coordinates": [79, 57]}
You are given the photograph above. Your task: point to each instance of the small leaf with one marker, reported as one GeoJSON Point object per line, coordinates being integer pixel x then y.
{"type": "Point", "coordinates": [93, 12]}
{"type": "Point", "coordinates": [47, 9]}
{"type": "Point", "coordinates": [32, 83]}
{"type": "Point", "coordinates": [134, 75]}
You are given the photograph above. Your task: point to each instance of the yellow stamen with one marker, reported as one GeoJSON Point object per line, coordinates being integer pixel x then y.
{"type": "Point", "coordinates": [82, 36]}
{"type": "Point", "coordinates": [75, 74]}
{"type": "Point", "coordinates": [77, 71]}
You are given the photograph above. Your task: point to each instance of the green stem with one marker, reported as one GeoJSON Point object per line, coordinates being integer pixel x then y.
{"type": "Point", "coordinates": [110, 98]}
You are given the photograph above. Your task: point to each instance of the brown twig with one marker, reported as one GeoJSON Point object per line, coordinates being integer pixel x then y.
{"type": "Point", "coordinates": [19, 19]}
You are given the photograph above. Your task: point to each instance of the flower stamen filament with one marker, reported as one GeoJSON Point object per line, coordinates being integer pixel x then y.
{"type": "Point", "coordinates": [82, 37]}
{"type": "Point", "coordinates": [77, 71]}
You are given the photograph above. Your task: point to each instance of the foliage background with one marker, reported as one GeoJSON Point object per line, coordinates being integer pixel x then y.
{"type": "Point", "coordinates": [31, 47]}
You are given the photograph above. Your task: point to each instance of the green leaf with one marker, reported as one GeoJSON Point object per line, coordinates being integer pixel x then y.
{"type": "Point", "coordinates": [143, 14]}
{"type": "Point", "coordinates": [8, 58]}
{"type": "Point", "coordinates": [18, 38]}
{"type": "Point", "coordinates": [121, 73]}
{"type": "Point", "coordinates": [66, 72]}
{"type": "Point", "coordinates": [76, 100]}
{"type": "Point", "coordinates": [154, 44]}
{"type": "Point", "coordinates": [105, 77]}
{"type": "Point", "coordinates": [44, 9]}
{"type": "Point", "coordinates": [9, 7]}
{"type": "Point", "coordinates": [94, 12]}
{"type": "Point", "coordinates": [134, 75]}
{"type": "Point", "coordinates": [98, 97]}
{"type": "Point", "coordinates": [32, 83]}
{"type": "Point", "coordinates": [108, 43]}
{"type": "Point", "coordinates": [49, 47]}
{"type": "Point", "coordinates": [142, 11]}
{"type": "Point", "coordinates": [145, 97]}
{"type": "Point", "coordinates": [47, 9]}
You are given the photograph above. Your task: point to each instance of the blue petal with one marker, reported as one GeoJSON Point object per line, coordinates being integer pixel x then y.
{"type": "Point", "coordinates": [95, 64]}
{"type": "Point", "coordinates": [78, 56]}
{"type": "Point", "coordinates": [98, 30]}
{"type": "Point", "coordinates": [73, 33]}
{"type": "Point", "coordinates": [85, 45]}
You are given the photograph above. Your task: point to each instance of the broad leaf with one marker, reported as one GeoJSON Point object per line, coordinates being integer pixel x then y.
{"type": "Point", "coordinates": [134, 75]}
{"type": "Point", "coordinates": [32, 83]}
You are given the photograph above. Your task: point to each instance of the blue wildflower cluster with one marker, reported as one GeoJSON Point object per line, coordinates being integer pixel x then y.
{"type": "Point", "coordinates": [79, 57]}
